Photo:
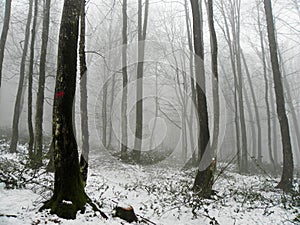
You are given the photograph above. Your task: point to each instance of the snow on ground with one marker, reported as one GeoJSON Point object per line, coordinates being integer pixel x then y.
{"type": "Point", "coordinates": [160, 194]}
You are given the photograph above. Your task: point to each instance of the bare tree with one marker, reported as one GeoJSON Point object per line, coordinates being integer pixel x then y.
{"type": "Point", "coordinates": [17, 109]}
{"type": "Point", "coordinates": [68, 185]}
{"type": "Point", "coordinates": [288, 164]}
{"type": "Point", "coordinates": [142, 31]}
{"type": "Point", "coordinates": [4, 34]}
{"type": "Point", "coordinates": [38, 145]}
{"type": "Point", "coordinates": [30, 80]}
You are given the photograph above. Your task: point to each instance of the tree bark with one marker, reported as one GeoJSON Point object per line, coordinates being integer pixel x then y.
{"type": "Point", "coordinates": [84, 158]}
{"type": "Point", "coordinates": [203, 139]}
{"type": "Point", "coordinates": [124, 122]}
{"type": "Point", "coordinates": [38, 145]}
{"type": "Point", "coordinates": [69, 195]}
{"type": "Point", "coordinates": [288, 164]}
{"type": "Point", "coordinates": [17, 109]}
{"type": "Point", "coordinates": [30, 81]}
{"type": "Point", "coordinates": [4, 34]}
{"type": "Point", "coordinates": [142, 31]}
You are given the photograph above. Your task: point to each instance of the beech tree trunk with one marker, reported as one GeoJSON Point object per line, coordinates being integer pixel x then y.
{"type": "Point", "coordinates": [30, 80]}
{"type": "Point", "coordinates": [38, 145]}
{"type": "Point", "coordinates": [69, 195]}
{"type": "Point", "coordinates": [288, 164]}
{"type": "Point", "coordinates": [142, 31]}
{"type": "Point", "coordinates": [4, 34]}
{"type": "Point", "coordinates": [17, 109]}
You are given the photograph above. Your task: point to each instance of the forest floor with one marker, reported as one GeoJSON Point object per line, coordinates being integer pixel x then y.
{"type": "Point", "coordinates": [161, 194]}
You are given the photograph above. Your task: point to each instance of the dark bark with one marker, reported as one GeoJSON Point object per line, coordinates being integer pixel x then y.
{"type": "Point", "coordinates": [30, 81]}
{"type": "Point", "coordinates": [4, 34]}
{"type": "Point", "coordinates": [69, 195]}
{"type": "Point", "coordinates": [203, 139]}
{"type": "Point", "coordinates": [17, 109]}
{"type": "Point", "coordinates": [142, 31]}
{"type": "Point", "coordinates": [38, 145]}
{"type": "Point", "coordinates": [84, 159]}
{"type": "Point", "coordinates": [288, 164]}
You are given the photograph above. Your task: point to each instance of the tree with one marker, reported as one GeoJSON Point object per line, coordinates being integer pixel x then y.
{"type": "Point", "coordinates": [38, 145]}
{"type": "Point", "coordinates": [142, 31]}
{"type": "Point", "coordinates": [68, 195]}
{"type": "Point", "coordinates": [203, 139]}
{"type": "Point", "coordinates": [17, 108]}
{"type": "Point", "coordinates": [30, 81]}
{"type": "Point", "coordinates": [125, 81]}
{"type": "Point", "coordinates": [84, 158]}
{"type": "Point", "coordinates": [215, 77]}
{"type": "Point", "coordinates": [288, 165]}
{"type": "Point", "coordinates": [4, 34]}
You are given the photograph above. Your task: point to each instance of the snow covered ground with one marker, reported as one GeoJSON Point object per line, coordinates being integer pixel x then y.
{"type": "Point", "coordinates": [160, 194]}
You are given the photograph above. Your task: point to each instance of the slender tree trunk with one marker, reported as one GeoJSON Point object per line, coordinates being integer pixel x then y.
{"type": "Point", "coordinates": [156, 110]}
{"type": "Point", "coordinates": [69, 195]}
{"type": "Point", "coordinates": [259, 143]}
{"type": "Point", "coordinates": [17, 109]}
{"type": "Point", "coordinates": [236, 35]}
{"type": "Point", "coordinates": [84, 158]}
{"type": "Point", "coordinates": [4, 34]}
{"type": "Point", "coordinates": [38, 145]}
{"type": "Point", "coordinates": [192, 80]}
{"type": "Point", "coordinates": [288, 164]}
{"type": "Point", "coordinates": [263, 57]}
{"type": "Point", "coordinates": [104, 112]}
{"type": "Point", "coordinates": [142, 31]}
{"type": "Point", "coordinates": [30, 81]}
{"type": "Point", "coordinates": [125, 81]}
{"type": "Point", "coordinates": [215, 78]}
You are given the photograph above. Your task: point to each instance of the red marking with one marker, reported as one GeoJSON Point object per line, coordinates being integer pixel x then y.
{"type": "Point", "coordinates": [60, 94]}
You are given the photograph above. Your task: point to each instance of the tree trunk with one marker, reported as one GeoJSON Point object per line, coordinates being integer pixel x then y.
{"type": "Point", "coordinates": [203, 139]}
{"type": "Point", "coordinates": [38, 145]}
{"type": "Point", "coordinates": [215, 78]}
{"type": "Point", "coordinates": [17, 109]}
{"type": "Point", "coordinates": [4, 34]}
{"type": "Point", "coordinates": [142, 31]}
{"type": "Point", "coordinates": [30, 81]}
{"type": "Point", "coordinates": [69, 195]}
{"type": "Point", "coordinates": [84, 158]}
{"type": "Point", "coordinates": [125, 81]}
{"type": "Point", "coordinates": [288, 164]}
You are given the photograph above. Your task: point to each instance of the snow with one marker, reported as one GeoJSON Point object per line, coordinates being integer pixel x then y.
{"type": "Point", "coordinates": [159, 194]}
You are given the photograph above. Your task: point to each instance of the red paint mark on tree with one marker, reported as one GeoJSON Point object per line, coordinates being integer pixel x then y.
{"type": "Point", "coordinates": [60, 94]}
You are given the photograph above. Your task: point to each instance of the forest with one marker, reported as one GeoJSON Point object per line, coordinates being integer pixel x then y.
{"type": "Point", "coordinates": [149, 112]}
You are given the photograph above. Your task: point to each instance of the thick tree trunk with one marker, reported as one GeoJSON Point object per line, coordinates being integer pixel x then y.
{"type": "Point", "coordinates": [84, 158]}
{"type": "Point", "coordinates": [30, 81]}
{"type": "Point", "coordinates": [203, 140]}
{"type": "Point", "coordinates": [4, 34]}
{"type": "Point", "coordinates": [69, 195]}
{"type": "Point", "coordinates": [38, 145]}
{"type": "Point", "coordinates": [288, 164]}
{"type": "Point", "coordinates": [17, 109]}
